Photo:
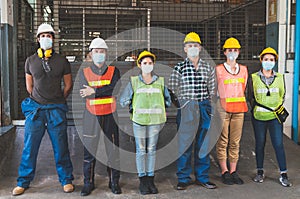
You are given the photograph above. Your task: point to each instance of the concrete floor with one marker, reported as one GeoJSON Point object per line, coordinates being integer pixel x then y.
{"type": "Point", "coordinates": [45, 184]}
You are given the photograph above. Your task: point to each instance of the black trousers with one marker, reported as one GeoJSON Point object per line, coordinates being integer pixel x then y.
{"type": "Point", "coordinates": [93, 126]}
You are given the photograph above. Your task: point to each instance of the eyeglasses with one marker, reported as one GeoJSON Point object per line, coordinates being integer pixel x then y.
{"type": "Point", "coordinates": [46, 66]}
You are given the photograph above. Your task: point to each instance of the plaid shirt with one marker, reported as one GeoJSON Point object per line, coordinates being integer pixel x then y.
{"type": "Point", "coordinates": [187, 83]}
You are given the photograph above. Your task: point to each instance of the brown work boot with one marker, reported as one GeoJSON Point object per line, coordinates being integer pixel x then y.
{"type": "Point", "coordinates": [18, 191]}
{"type": "Point", "coordinates": [68, 188]}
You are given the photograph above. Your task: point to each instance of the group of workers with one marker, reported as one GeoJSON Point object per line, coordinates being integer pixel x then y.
{"type": "Point", "coordinates": [193, 86]}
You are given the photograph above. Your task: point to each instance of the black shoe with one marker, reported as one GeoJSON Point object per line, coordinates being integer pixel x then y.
{"type": "Point", "coordinates": [144, 185]}
{"type": "Point", "coordinates": [151, 185]}
{"type": "Point", "coordinates": [183, 185]}
{"type": "Point", "coordinates": [236, 179]}
{"type": "Point", "coordinates": [115, 187]}
{"type": "Point", "coordinates": [207, 185]}
{"type": "Point", "coordinates": [227, 178]}
{"type": "Point", "coordinates": [87, 189]}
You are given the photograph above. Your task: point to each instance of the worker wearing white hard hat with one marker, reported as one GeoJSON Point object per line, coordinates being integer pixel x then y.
{"type": "Point", "coordinates": [98, 83]}
{"type": "Point", "coordinates": [45, 28]}
{"type": "Point", "coordinates": [45, 36]}
{"type": "Point", "coordinates": [46, 108]}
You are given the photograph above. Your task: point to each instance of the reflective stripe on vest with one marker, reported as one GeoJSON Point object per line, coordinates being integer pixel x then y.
{"type": "Point", "coordinates": [236, 99]}
{"type": "Point", "coordinates": [231, 89]}
{"type": "Point", "coordinates": [103, 105]}
{"type": "Point", "coordinates": [273, 100]}
{"type": "Point", "coordinates": [232, 81]}
{"type": "Point", "coordinates": [148, 102]}
{"type": "Point", "coordinates": [99, 83]}
{"type": "Point", "coordinates": [147, 90]}
{"type": "Point", "coordinates": [262, 109]}
{"type": "Point", "coordinates": [265, 90]}
{"type": "Point", "coordinates": [101, 101]}
{"type": "Point", "coordinates": [149, 111]}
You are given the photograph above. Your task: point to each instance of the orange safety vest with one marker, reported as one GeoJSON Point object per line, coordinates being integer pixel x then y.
{"type": "Point", "coordinates": [103, 105]}
{"type": "Point", "coordinates": [231, 89]}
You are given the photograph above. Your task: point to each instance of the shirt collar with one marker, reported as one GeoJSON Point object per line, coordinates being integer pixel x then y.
{"type": "Point", "coordinates": [260, 73]}
{"type": "Point", "coordinates": [154, 78]}
{"type": "Point", "coordinates": [228, 67]}
{"type": "Point", "coordinates": [99, 71]}
{"type": "Point", "coordinates": [187, 60]}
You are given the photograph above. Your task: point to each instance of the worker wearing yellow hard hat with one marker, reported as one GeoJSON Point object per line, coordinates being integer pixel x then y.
{"type": "Point", "coordinates": [144, 54]}
{"type": "Point", "coordinates": [147, 98]}
{"type": "Point", "coordinates": [232, 80]}
{"type": "Point", "coordinates": [192, 46]}
{"type": "Point", "coordinates": [268, 50]}
{"type": "Point", "coordinates": [192, 82]}
{"type": "Point", "coordinates": [267, 91]}
{"type": "Point", "coordinates": [231, 43]}
{"type": "Point", "coordinates": [192, 37]}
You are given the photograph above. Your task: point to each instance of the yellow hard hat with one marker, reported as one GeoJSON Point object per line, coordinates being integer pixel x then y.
{"type": "Point", "coordinates": [192, 37]}
{"type": "Point", "coordinates": [231, 43]}
{"type": "Point", "coordinates": [268, 50]}
{"type": "Point", "coordinates": [143, 54]}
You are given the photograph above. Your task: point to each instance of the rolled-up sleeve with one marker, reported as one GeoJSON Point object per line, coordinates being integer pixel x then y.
{"type": "Point", "coordinates": [167, 97]}
{"type": "Point", "coordinates": [126, 95]}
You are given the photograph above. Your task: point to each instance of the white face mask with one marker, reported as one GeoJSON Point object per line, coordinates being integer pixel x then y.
{"type": "Point", "coordinates": [268, 65]}
{"type": "Point", "coordinates": [98, 58]}
{"type": "Point", "coordinates": [45, 43]}
{"type": "Point", "coordinates": [193, 52]}
{"type": "Point", "coordinates": [147, 68]}
{"type": "Point", "coordinates": [232, 56]}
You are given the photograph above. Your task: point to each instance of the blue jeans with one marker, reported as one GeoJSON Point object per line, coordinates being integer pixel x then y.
{"type": "Point", "coordinates": [276, 133]}
{"type": "Point", "coordinates": [193, 122]}
{"type": "Point", "coordinates": [145, 141]}
{"type": "Point", "coordinates": [34, 132]}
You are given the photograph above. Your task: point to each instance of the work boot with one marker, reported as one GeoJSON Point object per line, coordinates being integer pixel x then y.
{"type": "Point", "coordinates": [151, 185]}
{"type": "Point", "coordinates": [115, 187]}
{"type": "Point", "coordinates": [18, 191]}
{"type": "Point", "coordinates": [89, 172]}
{"type": "Point", "coordinates": [113, 183]}
{"type": "Point", "coordinates": [144, 186]}
{"type": "Point", "coordinates": [68, 188]}
{"type": "Point", "coordinates": [87, 189]}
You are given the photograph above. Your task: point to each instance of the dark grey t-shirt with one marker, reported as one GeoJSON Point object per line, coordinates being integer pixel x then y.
{"type": "Point", "coordinates": [47, 87]}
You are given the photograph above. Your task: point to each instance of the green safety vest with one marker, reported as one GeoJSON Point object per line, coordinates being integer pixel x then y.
{"type": "Point", "coordinates": [276, 93]}
{"type": "Point", "coordinates": [148, 102]}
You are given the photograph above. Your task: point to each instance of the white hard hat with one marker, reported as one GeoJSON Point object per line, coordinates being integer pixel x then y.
{"type": "Point", "coordinates": [45, 28]}
{"type": "Point", "coordinates": [98, 43]}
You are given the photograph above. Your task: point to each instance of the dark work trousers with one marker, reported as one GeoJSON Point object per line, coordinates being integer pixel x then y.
{"type": "Point", "coordinates": [93, 126]}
